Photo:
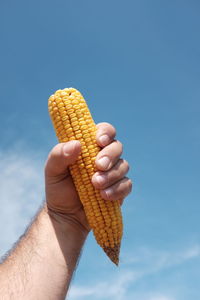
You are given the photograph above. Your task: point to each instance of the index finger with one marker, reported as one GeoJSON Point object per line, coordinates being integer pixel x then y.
{"type": "Point", "coordinates": [105, 134]}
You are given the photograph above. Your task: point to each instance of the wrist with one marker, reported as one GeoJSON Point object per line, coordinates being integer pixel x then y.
{"type": "Point", "coordinates": [65, 222]}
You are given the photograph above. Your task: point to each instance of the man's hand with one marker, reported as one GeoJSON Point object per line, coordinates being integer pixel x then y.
{"type": "Point", "coordinates": [43, 261]}
{"type": "Point", "coordinates": [61, 196]}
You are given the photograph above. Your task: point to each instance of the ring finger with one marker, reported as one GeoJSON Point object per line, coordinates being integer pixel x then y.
{"type": "Point", "coordinates": [108, 156]}
{"type": "Point", "coordinates": [118, 190]}
{"type": "Point", "coordinates": [102, 180]}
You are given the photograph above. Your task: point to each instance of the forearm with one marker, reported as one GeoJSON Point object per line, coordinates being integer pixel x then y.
{"type": "Point", "coordinates": [42, 264]}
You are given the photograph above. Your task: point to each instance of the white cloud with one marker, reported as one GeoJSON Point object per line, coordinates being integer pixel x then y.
{"type": "Point", "coordinates": [156, 297]}
{"type": "Point", "coordinates": [120, 287]}
{"type": "Point", "coordinates": [21, 192]}
{"type": "Point", "coordinates": [156, 260]}
{"type": "Point", "coordinates": [146, 262]}
{"type": "Point", "coordinates": [160, 298]}
{"type": "Point", "coordinates": [109, 289]}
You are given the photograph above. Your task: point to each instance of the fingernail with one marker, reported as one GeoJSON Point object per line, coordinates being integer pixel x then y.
{"type": "Point", "coordinates": [104, 139]}
{"type": "Point", "coordinates": [108, 192]}
{"type": "Point", "coordinates": [66, 149]}
{"type": "Point", "coordinates": [100, 179]}
{"type": "Point", "coordinates": [104, 162]}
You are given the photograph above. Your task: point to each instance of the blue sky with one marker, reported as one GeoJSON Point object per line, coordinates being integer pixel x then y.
{"type": "Point", "coordinates": [138, 65]}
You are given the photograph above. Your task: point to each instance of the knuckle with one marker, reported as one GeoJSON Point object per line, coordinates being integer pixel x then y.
{"type": "Point", "coordinates": [119, 145]}
{"type": "Point", "coordinates": [111, 128]}
{"type": "Point", "coordinates": [130, 185]}
{"type": "Point", "coordinates": [126, 165]}
{"type": "Point", "coordinates": [105, 126]}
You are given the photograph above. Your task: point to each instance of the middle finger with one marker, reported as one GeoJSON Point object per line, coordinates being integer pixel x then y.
{"type": "Point", "coordinates": [108, 156]}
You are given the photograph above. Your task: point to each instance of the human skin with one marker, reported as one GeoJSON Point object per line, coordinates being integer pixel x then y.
{"type": "Point", "coordinates": [42, 263]}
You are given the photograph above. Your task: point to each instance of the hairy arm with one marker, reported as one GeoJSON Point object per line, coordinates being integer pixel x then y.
{"type": "Point", "coordinates": [42, 264]}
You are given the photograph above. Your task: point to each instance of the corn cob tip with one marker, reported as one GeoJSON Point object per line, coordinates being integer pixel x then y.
{"type": "Point", "coordinates": [113, 253]}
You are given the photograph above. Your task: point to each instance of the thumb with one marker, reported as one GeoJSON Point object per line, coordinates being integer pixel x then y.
{"type": "Point", "coordinates": [60, 157]}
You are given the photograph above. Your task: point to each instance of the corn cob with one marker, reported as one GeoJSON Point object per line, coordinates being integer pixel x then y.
{"type": "Point", "coordinates": [72, 121]}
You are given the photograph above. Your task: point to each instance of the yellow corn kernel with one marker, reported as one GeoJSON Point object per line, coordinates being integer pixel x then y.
{"type": "Point", "coordinates": [72, 120]}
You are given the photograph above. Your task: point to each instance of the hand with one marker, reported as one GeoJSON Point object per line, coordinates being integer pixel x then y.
{"type": "Point", "coordinates": [61, 196]}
